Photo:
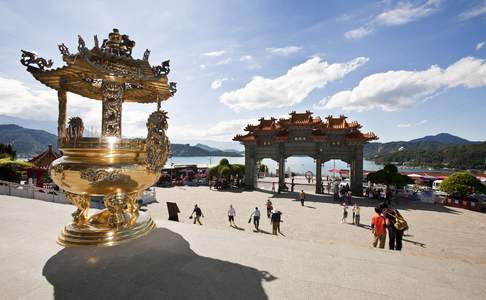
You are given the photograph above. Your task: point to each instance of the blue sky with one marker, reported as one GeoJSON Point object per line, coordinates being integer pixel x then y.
{"type": "Point", "coordinates": [402, 69]}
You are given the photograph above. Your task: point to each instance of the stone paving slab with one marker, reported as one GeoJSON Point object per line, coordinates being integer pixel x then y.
{"type": "Point", "coordinates": [184, 261]}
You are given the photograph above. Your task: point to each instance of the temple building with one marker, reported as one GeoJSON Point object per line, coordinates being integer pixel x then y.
{"type": "Point", "coordinates": [40, 165]}
{"type": "Point", "coordinates": [302, 134]}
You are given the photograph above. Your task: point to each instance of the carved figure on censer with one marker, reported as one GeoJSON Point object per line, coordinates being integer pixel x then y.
{"type": "Point", "coordinates": [158, 146]}
{"type": "Point", "coordinates": [75, 128]}
{"type": "Point", "coordinates": [117, 168]}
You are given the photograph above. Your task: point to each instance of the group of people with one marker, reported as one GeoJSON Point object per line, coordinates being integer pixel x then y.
{"type": "Point", "coordinates": [356, 213]}
{"type": "Point", "coordinates": [388, 219]}
{"type": "Point", "coordinates": [274, 215]}
{"type": "Point", "coordinates": [383, 195]}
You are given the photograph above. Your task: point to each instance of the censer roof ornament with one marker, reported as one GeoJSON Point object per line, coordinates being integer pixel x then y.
{"type": "Point", "coordinates": [86, 69]}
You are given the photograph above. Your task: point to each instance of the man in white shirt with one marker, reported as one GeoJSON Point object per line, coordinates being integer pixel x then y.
{"type": "Point", "coordinates": [256, 218]}
{"type": "Point", "coordinates": [231, 216]}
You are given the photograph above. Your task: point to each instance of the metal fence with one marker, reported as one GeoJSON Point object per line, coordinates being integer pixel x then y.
{"type": "Point", "coordinates": [50, 195]}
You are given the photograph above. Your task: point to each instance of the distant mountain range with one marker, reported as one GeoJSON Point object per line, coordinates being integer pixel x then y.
{"type": "Point", "coordinates": [30, 142]}
{"type": "Point", "coordinates": [26, 142]}
{"type": "Point", "coordinates": [201, 150]}
{"type": "Point", "coordinates": [442, 151]}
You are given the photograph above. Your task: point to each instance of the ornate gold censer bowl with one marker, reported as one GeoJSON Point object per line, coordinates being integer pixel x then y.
{"type": "Point", "coordinates": [110, 166]}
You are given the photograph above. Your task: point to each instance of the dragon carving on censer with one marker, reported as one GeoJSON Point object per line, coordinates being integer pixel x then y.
{"type": "Point", "coordinates": [158, 146]}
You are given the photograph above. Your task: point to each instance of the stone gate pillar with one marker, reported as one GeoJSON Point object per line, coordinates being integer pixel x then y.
{"type": "Point", "coordinates": [281, 172]}
{"type": "Point", "coordinates": [250, 168]}
{"type": "Point", "coordinates": [318, 176]}
{"type": "Point", "coordinates": [357, 173]}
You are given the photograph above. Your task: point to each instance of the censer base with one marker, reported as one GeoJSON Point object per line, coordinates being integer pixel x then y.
{"type": "Point", "coordinates": [91, 235]}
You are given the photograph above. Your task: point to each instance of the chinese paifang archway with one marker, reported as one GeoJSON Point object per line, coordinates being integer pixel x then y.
{"type": "Point", "coordinates": [303, 134]}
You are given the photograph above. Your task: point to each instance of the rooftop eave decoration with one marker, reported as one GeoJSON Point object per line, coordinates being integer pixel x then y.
{"type": "Point", "coordinates": [305, 120]}
{"type": "Point", "coordinates": [112, 60]}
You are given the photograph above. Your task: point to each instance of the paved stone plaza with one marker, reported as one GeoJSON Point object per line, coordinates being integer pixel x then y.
{"type": "Point", "coordinates": [318, 258]}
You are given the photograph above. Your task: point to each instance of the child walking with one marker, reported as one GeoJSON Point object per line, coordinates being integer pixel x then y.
{"type": "Point", "coordinates": [345, 212]}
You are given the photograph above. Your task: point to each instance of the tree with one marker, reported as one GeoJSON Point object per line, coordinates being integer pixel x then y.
{"type": "Point", "coordinates": [10, 170]}
{"type": "Point", "coordinates": [462, 184]}
{"type": "Point", "coordinates": [225, 170]}
{"type": "Point", "coordinates": [389, 176]}
{"type": "Point", "coordinates": [263, 168]}
{"type": "Point", "coordinates": [7, 151]}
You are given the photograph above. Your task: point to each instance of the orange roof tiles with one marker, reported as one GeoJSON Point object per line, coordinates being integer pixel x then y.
{"type": "Point", "coordinates": [306, 120]}
{"type": "Point", "coordinates": [44, 160]}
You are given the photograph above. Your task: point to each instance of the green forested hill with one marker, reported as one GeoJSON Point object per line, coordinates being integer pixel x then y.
{"type": "Point", "coordinates": [26, 142]}
{"type": "Point", "coordinates": [467, 156]}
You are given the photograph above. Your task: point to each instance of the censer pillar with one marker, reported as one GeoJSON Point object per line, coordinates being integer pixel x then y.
{"type": "Point", "coordinates": [61, 120]}
{"type": "Point", "coordinates": [112, 107]}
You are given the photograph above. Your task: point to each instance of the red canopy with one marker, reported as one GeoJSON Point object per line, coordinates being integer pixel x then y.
{"type": "Point", "coordinates": [334, 170]}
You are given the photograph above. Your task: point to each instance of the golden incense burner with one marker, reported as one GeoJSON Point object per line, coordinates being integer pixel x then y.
{"type": "Point", "coordinates": [116, 168]}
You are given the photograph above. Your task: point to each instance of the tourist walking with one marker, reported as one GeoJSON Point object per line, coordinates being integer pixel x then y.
{"type": "Point", "coordinates": [388, 196]}
{"type": "Point", "coordinates": [336, 192]}
{"type": "Point", "coordinates": [231, 216]}
{"type": "Point", "coordinates": [328, 187]}
{"type": "Point", "coordinates": [269, 208]}
{"type": "Point", "coordinates": [302, 197]}
{"type": "Point", "coordinates": [396, 225]}
{"type": "Point", "coordinates": [275, 220]}
{"type": "Point", "coordinates": [198, 216]}
{"type": "Point", "coordinates": [256, 218]}
{"type": "Point", "coordinates": [349, 197]}
{"type": "Point", "coordinates": [378, 228]}
{"type": "Point", "coordinates": [356, 213]}
{"type": "Point", "coordinates": [345, 212]}
{"type": "Point", "coordinates": [273, 187]}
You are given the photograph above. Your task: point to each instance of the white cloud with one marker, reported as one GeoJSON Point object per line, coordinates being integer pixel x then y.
{"type": "Point", "coordinates": [18, 100]}
{"type": "Point", "coordinates": [475, 11]}
{"type": "Point", "coordinates": [214, 53]}
{"type": "Point", "coordinates": [479, 46]}
{"type": "Point", "coordinates": [216, 84]}
{"type": "Point", "coordinates": [246, 58]}
{"type": "Point", "coordinates": [254, 66]}
{"type": "Point", "coordinates": [291, 88]}
{"type": "Point", "coordinates": [406, 12]}
{"type": "Point", "coordinates": [394, 90]}
{"type": "Point", "coordinates": [202, 67]}
{"type": "Point", "coordinates": [408, 125]}
{"type": "Point", "coordinates": [358, 33]}
{"type": "Point", "coordinates": [284, 51]}
{"type": "Point", "coordinates": [224, 61]}
{"type": "Point", "coordinates": [343, 18]}
{"type": "Point", "coordinates": [402, 13]}
{"type": "Point", "coordinates": [221, 131]}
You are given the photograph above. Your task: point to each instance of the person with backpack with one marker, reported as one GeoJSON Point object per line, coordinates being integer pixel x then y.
{"type": "Point", "coordinates": [396, 225]}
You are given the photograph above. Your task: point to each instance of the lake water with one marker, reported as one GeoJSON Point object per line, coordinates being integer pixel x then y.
{"type": "Point", "coordinates": [296, 164]}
